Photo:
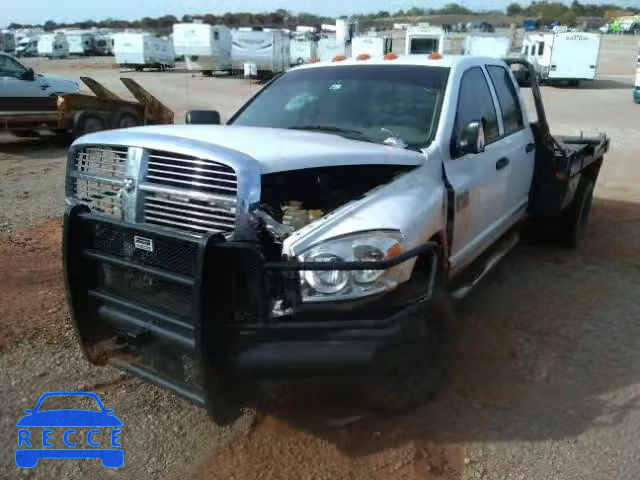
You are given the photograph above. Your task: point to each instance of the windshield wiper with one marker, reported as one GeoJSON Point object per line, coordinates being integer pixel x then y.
{"type": "Point", "coordinates": [331, 129]}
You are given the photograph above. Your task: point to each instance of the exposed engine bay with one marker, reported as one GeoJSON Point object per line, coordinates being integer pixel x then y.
{"type": "Point", "coordinates": [291, 200]}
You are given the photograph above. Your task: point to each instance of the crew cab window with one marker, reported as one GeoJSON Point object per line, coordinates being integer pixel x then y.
{"type": "Point", "coordinates": [475, 103]}
{"type": "Point", "coordinates": [10, 68]}
{"type": "Point", "coordinates": [369, 102]}
{"type": "Point", "coordinates": [507, 98]}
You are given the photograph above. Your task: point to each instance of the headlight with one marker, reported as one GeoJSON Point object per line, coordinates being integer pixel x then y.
{"type": "Point", "coordinates": [345, 284]}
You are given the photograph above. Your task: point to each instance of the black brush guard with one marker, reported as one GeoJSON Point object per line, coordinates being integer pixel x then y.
{"type": "Point", "coordinates": [198, 296]}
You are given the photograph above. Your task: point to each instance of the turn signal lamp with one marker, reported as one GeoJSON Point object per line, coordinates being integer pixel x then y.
{"type": "Point", "coordinates": [363, 56]}
{"type": "Point", "coordinates": [390, 56]}
{"type": "Point", "coordinates": [435, 56]}
{"type": "Point", "coordinates": [339, 58]}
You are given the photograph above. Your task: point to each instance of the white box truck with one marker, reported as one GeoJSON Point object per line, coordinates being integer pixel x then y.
{"type": "Point", "coordinates": [143, 50]}
{"type": "Point", "coordinates": [487, 46]}
{"type": "Point", "coordinates": [80, 43]}
{"type": "Point", "coordinates": [53, 45]}
{"type": "Point", "coordinates": [268, 50]}
{"type": "Point", "coordinates": [567, 57]}
{"type": "Point", "coordinates": [329, 47]}
{"type": "Point", "coordinates": [373, 46]}
{"type": "Point", "coordinates": [424, 40]}
{"type": "Point", "coordinates": [206, 48]}
{"type": "Point", "coordinates": [303, 47]}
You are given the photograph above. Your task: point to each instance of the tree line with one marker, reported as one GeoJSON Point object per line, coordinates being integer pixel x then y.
{"type": "Point", "coordinates": [540, 10]}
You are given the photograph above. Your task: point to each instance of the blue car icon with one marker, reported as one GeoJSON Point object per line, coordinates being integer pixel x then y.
{"type": "Point", "coordinates": [67, 420]}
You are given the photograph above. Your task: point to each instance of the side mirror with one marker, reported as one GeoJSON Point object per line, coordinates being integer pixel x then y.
{"type": "Point", "coordinates": [203, 117]}
{"type": "Point", "coordinates": [29, 75]}
{"type": "Point", "coordinates": [472, 138]}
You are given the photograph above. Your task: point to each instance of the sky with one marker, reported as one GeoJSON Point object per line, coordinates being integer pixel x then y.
{"type": "Point", "coordinates": [39, 11]}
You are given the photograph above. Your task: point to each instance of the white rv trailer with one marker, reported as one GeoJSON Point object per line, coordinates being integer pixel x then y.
{"type": "Point", "coordinates": [268, 50]}
{"type": "Point", "coordinates": [143, 50]}
{"type": "Point", "coordinates": [7, 41]}
{"type": "Point", "coordinates": [487, 46]}
{"type": "Point", "coordinates": [206, 48]}
{"type": "Point", "coordinates": [303, 47]}
{"type": "Point", "coordinates": [369, 45]}
{"type": "Point", "coordinates": [103, 43]}
{"type": "Point", "coordinates": [424, 40]}
{"type": "Point", "coordinates": [329, 47]}
{"type": "Point", "coordinates": [53, 45]}
{"type": "Point", "coordinates": [80, 43]}
{"type": "Point", "coordinates": [636, 91]}
{"type": "Point", "coordinates": [568, 56]}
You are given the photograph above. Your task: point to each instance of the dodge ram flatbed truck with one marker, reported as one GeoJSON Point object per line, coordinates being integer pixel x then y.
{"type": "Point", "coordinates": [306, 238]}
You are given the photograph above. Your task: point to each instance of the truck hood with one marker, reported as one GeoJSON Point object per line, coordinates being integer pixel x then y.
{"type": "Point", "coordinates": [59, 84]}
{"type": "Point", "coordinates": [276, 150]}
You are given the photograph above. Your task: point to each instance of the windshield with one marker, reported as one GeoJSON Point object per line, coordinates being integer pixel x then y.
{"type": "Point", "coordinates": [371, 103]}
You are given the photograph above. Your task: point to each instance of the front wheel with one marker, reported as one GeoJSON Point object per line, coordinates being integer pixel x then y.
{"type": "Point", "coordinates": [413, 370]}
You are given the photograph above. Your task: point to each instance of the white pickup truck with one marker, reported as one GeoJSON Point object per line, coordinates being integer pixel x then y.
{"type": "Point", "coordinates": [305, 239]}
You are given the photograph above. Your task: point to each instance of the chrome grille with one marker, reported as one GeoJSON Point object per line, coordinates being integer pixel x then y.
{"type": "Point", "coordinates": [189, 193]}
{"type": "Point", "coordinates": [97, 178]}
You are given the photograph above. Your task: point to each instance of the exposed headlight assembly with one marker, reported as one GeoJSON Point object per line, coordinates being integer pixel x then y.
{"type": "Point", "coordinates": [331, 285]}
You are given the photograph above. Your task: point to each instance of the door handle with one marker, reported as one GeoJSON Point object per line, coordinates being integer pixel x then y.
{"type": "Point", "coordinates": [503, 162]}
{"type": "Point", "coordinates": [44, 87]}
{"type": "Point", "coordinates": [530, 147]}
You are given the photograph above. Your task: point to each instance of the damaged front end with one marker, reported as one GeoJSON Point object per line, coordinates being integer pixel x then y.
{"type": "Point", "coordinates": [210, 317]}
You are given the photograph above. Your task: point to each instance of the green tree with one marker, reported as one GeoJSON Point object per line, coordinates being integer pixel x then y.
{"type": "Point", "coordinates": [514, 9]}
{"type": "Point", "coordinates": [50, 25]}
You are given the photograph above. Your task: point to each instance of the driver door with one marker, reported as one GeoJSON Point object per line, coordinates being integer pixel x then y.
{"type": "Point", "coordinates": [13, 84]}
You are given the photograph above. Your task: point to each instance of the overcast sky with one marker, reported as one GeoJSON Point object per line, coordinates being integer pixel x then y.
{"type": "Point", "coordinates": [38, 11]}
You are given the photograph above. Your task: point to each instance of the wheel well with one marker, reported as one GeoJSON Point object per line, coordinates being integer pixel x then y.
{"type": "Point", "coordinates": [423, 262]}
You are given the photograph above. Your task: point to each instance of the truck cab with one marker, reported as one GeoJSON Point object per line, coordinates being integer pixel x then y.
{"type": "Point", "coordinates": [308, 238]}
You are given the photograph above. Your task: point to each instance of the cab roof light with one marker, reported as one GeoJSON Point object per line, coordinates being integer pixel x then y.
{"type": "Point", "coordinates": [363, 56]}
{"type": "Point", "coordinates": [339, 58]}
{"type": "Point", "coordinates": [435, 56]}
{"type": "Point", "coordinates": [390, 56]}
{"type": "Point", "coordinates": [314, 60]}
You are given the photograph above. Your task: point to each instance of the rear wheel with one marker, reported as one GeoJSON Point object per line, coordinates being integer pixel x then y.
{"type": "Point", "coordinates": [123, 118]}
{"type": "Point", "coordinates": [87, 122]}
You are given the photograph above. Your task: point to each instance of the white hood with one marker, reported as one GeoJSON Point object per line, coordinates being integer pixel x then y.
{"type": "Point", "coordinates": [58, 83]}
{"type": "Point", "coordinates": [275, 149]}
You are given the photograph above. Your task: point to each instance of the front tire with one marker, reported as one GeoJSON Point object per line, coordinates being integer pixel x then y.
{"type": "Point", "coordinates": [413, 370]}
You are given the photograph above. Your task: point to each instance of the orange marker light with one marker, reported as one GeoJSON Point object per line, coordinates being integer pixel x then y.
{"type": "Point", "coordinates": [435, 56]}
{"type": "Point", "coordinates": [339, 58]}
{"type": "Point", "coordinates": [363, 56]}
{"type": "Point", "coordinates": [394, 251]}
{"type": "Point", "coordinates": [390, 56]}
{"type": "Point", "coordinates": [314, 60]}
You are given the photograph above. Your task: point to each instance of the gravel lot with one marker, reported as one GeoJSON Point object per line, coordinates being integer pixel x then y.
{"type": "Point", "coordinates": [544, 383]}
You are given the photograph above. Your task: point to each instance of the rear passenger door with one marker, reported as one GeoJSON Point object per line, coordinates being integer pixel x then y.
{"type": "Point", "coordinates": [516, 141]}
{"type": "Point", "coordinates": [478, 181]}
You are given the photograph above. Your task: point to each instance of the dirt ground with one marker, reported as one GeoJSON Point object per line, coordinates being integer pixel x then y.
{"type": "Point", "coordinates": [544, 383]}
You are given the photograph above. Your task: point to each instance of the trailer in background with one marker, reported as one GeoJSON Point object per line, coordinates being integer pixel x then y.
{"type": "Point", "coordinates": [303, 47]}
{"type": "Point", "coordinates": [563, 57]}
{"type": "Point", "coordinates": [103, 44]}
{"type": "Point", "coordinates": [7, 41]}
{"type": "Point", "coordinates": [329, 47]}
{"type": "Point", "coordinates": [80, 43]}
{"type": "Point", "coordinates": [53, 45]}
{"type": "Point", "coordinates": [268, 50]}
{"type": "Point", "coordinates": [487, 46]}
{"type": "Point", "coordinates": [370, 45]}
{"type": "Point", "coordinates": [424, 41]}
{"type": "Point", "coordinates": [76, 114]}
{"type": "Point", "coordinates": [206, 48]}
{"type": "Point", "coordinates": [143, 50]}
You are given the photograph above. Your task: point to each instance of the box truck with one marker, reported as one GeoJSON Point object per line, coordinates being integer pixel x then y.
{"type": "Point", "coordinates": [487, 46]}
{"type": "Point", "coordinates": [206, 48]}
{"type": "Point", "coordinates": [53, 45]}
{"type": "Point", "coordinates": [268, 50]}
{"type": "Point", "coordinates": [369, 45]}
{"type": "Point", "coordinates": [303, 47]}
{"type": "Point", "coordinates": [567, 57]}
{"type": "Point", "coordinates": [424, 40]}
{"type": "Point", "coordinates": [143, 50]}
